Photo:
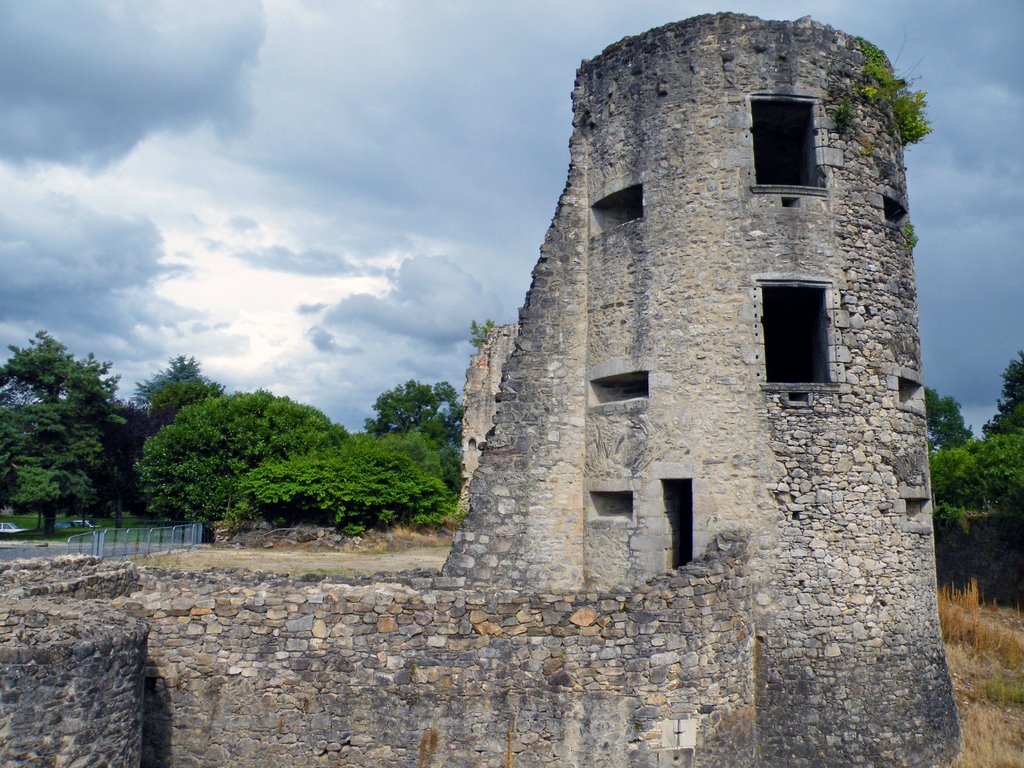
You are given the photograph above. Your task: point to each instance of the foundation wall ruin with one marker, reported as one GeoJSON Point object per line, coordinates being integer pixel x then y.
{"type": "Point", "coordinates": [699, 532]}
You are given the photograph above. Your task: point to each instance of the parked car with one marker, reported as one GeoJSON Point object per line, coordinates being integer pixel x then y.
{"type": "Point", "coordinates": [11, 528]}
{"type": "Point", "coordinates": [83, 523]}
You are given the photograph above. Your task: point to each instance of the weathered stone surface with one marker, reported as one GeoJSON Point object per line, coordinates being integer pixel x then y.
{"type": "Point", "coordinates": [639, 378]}
{"type": "Point", "coordinates": [70, 680]}
{"type": "Point", "coordinates": [562, 633]}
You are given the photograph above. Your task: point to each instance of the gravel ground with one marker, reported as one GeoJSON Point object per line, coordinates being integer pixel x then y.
{"type": "Point", "coordinates": [17, 550]}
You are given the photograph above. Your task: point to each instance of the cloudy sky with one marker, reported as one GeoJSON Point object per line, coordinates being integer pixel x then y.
{"type": "Point", "coordinates": [318, 197]}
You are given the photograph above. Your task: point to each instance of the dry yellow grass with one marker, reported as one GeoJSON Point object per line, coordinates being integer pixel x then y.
{"type": "Point", "coordinates": [985, 650]}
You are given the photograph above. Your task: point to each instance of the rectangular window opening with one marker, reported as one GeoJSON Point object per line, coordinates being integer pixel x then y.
{"type": "Point", "coordinates": [783, 133]}
{"type": "Point", "coordinates": [612, 503]}
{"type": "Point", "coordinates": [619, 207]}
{"type": "Point", "coordinates": [798, 398]}
{"type": "Point", "coordinates": [915, 507]}
{"type": "Point", "coordinates": [678, 496]}
{"type": "Point", "coordinates": [795, 327]}
{"type": "Point", "coordinates": [894, 211]}
{"type": "Point", "coordinates": [790, 202]}
{"type": "Point", "coordinates": [624, 386]}
{"type": "Point", "coordinates": [910, 390]}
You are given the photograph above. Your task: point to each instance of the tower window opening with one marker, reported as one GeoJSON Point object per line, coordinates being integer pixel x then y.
{"type": "Point", "coordinates": [611, 503]}
{"type": "Point", "coordinates": [783, 134]}
{"type": "Point", "coordinates": [893, 210]}
{"type": "Point", "coordinates": [909, 390]}
{"type": "Point", "coordinates": [625, 386]}
{"type": "Point", "coordinates": [619, 207]}
{"type": "Point", "coordinates": [795, 334]}
{"type": "Point", "coordinates": [678, 497]}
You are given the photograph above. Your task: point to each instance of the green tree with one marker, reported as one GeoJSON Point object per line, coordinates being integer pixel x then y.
{"type": "Point", "coordinates": [946, 428]}
{"type": "Point", "coordinates": [1008, 413]}
{"type": "Point", "coordinates": [118, 481]}
{"type": "Point", "coordinates": [362, 484]}
{"type": "Point", "coordinates": [54, 411]}
{"type": "Point", "coordinates": [982, 475]}
{"type": "Point", "coordinates": [178, 394]}
{"type": "Point", "coordinates": [179, 370]}
{"type": "Point", "coordinates": [192, 467]}
{"type": "Point", "coordinates": [432, 411]}
{"type": "Point", "coordinates": [478, 332]}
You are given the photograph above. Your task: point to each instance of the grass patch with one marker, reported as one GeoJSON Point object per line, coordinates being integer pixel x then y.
{"type": "Point", "coordinates": [966, 621]}
{"type": "Point", "coordinates": [985, 651]}
{"type": "Point", "coordinates": [1005, 690]}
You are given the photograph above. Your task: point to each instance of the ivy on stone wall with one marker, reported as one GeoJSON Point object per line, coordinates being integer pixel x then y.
{"type": "Point", "coordinates": [885, 87]}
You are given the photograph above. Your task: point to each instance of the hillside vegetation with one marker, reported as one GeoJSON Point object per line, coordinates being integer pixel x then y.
{"type": "Point", "coordinates": [985, 650]}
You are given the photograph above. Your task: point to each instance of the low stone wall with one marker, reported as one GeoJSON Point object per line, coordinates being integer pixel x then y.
{"type": "Point", "coordinates": [988, 550]}
{"type": "Point", "coordinates": [70, 684]}
{"type": "Point", "coordinates": [76, 576]}
{"type": "Point", "coordinates": [401, 674]}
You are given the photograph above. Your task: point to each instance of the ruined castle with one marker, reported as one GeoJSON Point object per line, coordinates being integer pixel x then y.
{"type": "Point", "coordinates": [699, 531]}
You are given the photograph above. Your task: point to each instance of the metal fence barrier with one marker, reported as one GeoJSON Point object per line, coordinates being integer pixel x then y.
{"type": "Point", "coordinates": [133, 542]}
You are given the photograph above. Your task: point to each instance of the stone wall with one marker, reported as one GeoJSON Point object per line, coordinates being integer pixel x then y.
{"type": "Point", "coordinates": [989, 550]}
{"type": "Point", "coordinates": [267, 672]}
{"type": "Point", "coordinates": [641, 399]}
{"type": "Point", "coordinates": [70, 683]}
{"type": "Point", "coordinates": [597, 607]}
{"type": "Point", "coordinates": [67, 576]}
{"type": "Point", "coordinates": [478, 396]}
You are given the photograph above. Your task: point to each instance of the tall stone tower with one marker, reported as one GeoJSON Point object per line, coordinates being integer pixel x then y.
{"type": "Point", "coordinates": [721, 335]}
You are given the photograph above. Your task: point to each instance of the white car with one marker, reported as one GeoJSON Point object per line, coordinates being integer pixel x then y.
{"type": "Point", "coordinates": [11, 528]}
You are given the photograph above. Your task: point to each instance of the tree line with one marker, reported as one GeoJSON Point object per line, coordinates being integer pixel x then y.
{"type": "Point", "coordinates": [183, 449]}
{"type": "Point", "coordinates": [985, 475]}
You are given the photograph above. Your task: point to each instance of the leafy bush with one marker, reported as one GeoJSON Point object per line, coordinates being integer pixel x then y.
{"type": "Point", "coordinates": [192, 467]}
{"type": "Point", "coordinates": [982, 475]}
{"type": "Point", "coordinates": [363, 484]}
{"type": "Point", "coordinates": [884, 87]}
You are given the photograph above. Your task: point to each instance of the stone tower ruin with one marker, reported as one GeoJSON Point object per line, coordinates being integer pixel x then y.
{"type": "Point", "coordinates": [720, 337]}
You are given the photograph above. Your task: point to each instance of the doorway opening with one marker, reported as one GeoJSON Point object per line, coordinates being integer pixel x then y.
{"type": "Point", "coordinates": [678, 496]}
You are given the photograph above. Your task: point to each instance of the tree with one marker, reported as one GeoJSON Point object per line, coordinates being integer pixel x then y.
{"type": "Point", "coordinates": [176, 395]}
{"type": "Point", "coordinates": [180, 370]}
{"type": "Point", "coordinates": [54, 409]}
{"type": "Point", "coordinates": [362, 484]}
{"type": "Point", "coordinates": [118, 482]}
{"type": "Point", "coordinates": [478, 332]}
{"type": "Point", "coordinates": [946, 428]}
{"type": "Point", "coordinates": [432, 411]}
{"type": "Point", "coordinates": [982, 475]}
{"type": "Point", "coordinates": [192, 467]}
{"type": "Point", "coordinates": [1007, 417]}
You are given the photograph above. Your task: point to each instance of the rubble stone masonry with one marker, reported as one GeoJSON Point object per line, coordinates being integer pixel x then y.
{"type": "Point", "coordinates": [699, 532]}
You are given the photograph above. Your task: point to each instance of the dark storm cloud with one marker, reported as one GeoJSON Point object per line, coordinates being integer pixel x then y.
{"type": "Point", "coordinates": [277, 258]}
{"type": "Point", "coordinates": [966, 193]}
{"type": "Point", "coordinates": [87, 278]}
{"type": "Point", "coordinates": [74, 262]}
{"type": "Point", "coordinates": [433, 300]}
{"type": "Point", "coordinates": [321, 339]}
{"type": "Point", "coordinates": [83, 82]}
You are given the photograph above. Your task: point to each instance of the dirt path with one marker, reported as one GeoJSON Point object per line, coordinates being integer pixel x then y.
{"type": "Point", "coordinates": [299, 561]}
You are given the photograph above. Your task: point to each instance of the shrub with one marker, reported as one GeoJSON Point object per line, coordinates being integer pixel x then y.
{"type": "Point", "coordinates": [884, 87]}
{"type": "Point", "coordinates": [363, 484]}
